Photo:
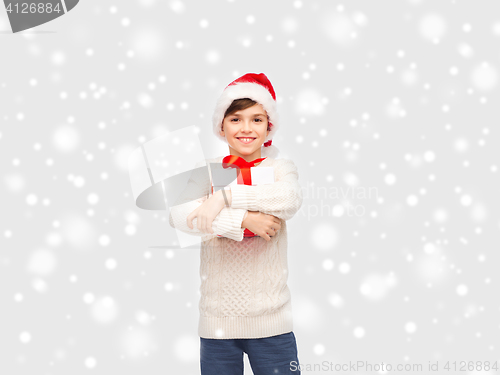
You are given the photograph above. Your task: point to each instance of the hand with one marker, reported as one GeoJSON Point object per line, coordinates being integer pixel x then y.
{"type": "Point", "coordinates": [206, 213]}
{"type": "Point", "coordinates": [261, 224]}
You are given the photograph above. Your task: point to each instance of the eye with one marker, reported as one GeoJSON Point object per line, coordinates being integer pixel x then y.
{"type": "Point", "coordinates": [234, 119]}
{"type": "Point", "coordinates": [258, 119]}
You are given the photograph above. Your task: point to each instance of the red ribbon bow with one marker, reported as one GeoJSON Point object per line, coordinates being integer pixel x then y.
{"type": "Point", "coordinates": [244, 175]}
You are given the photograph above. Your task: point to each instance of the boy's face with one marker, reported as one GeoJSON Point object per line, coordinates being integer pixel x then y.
{"type": "Point", "coordinates": [248, 123]}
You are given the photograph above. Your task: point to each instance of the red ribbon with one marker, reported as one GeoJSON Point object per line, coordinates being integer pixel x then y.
{"type": "Point", "coordinates": [244, 175]}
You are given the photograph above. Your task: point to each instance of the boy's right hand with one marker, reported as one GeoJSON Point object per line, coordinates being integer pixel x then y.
{"type": "Point", "coordinates": [261, 224]}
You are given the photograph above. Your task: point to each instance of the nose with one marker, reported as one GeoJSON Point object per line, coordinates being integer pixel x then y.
{"type": "Point", "coordinates": [245, 126]}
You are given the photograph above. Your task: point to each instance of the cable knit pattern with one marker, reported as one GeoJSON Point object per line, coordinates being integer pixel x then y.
{"type": "Point", "coordinates": [244, 293]}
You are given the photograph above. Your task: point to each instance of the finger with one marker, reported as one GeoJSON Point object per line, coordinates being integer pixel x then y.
{"type": "Point", "coordinates": [203, 225]}
{"type": "Point", "coordinates": [207, 226]}
{"type": "Point", "coordinates": [211, 221]}
{"type": "Point", "coordinates": [189, 222]}
{"type": "Point", "coordinates": [278, 224]}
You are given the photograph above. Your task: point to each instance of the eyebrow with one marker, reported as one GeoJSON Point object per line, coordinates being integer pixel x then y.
{"type": "Point", "coordinates": [255, 115]}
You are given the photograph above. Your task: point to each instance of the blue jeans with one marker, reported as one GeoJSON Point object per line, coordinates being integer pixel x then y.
{"type": "Point", "coordinates": [267, 355]}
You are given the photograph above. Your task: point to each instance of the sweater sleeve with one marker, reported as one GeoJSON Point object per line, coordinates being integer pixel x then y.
{"type": "Point", "coordinates": [282, 199]}
{"type": "Point", "coordinates": [227, 223]}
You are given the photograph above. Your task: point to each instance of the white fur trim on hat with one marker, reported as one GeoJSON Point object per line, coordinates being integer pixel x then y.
{"type": "Point", "coordinates": [242, 90]}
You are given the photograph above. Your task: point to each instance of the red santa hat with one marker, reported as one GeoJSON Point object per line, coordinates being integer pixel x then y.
{"type": "Point", "coordinates": [258, 88]}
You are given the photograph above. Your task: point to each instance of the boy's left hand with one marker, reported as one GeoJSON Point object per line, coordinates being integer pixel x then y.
{"type": "Point", "coordinates": [206, 213]}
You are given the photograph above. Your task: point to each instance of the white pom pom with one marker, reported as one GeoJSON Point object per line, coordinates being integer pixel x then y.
{"type": "Point", "coordinates": [271, 152]}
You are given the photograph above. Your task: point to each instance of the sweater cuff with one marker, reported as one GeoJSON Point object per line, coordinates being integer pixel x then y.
{"type": "Point", "coordinates": [229, 223]}
{"type": "Point", "coordinates": [244, 196]}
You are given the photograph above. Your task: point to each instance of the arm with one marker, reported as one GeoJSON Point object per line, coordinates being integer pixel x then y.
{"type": "Point", "coordinates": [228, 223]}
{"type": "Point", "coordinates": [281, 199]}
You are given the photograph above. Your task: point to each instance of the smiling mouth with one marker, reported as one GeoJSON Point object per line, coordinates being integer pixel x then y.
{"type": "Point", "coordinates": [247, 139]}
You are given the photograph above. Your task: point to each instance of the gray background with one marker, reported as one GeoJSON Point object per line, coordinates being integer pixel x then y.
{"type": "Point", "coordinates": [393, 96]}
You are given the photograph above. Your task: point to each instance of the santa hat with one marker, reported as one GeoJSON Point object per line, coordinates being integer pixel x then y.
{"type": "Point", "coordinates": [258, 88]}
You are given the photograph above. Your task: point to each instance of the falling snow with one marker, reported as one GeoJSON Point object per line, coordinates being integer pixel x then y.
{"type": "Point", "coordinates": [389, 116]}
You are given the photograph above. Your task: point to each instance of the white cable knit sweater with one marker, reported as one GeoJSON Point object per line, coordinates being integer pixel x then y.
{"type": "Point", "coordinates": [243, 280]}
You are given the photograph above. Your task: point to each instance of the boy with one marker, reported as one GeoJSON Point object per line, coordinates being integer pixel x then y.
{"type": "Point", "coordinates": [245, 304]}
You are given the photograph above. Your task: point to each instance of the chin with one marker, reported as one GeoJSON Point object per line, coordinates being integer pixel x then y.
{"type": "Point", "coordinates": [246, 153]}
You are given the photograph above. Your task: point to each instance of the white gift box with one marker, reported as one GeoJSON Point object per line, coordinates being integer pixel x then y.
{"type": "Point", "coordinates": [224, 178]}
{"type": "Point", "coordinates": [262, 175]}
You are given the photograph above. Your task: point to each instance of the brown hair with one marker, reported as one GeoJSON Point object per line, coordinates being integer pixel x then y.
{"type": "Point", "coordinates": [240, 104]}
